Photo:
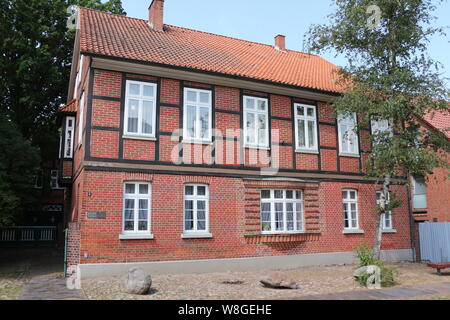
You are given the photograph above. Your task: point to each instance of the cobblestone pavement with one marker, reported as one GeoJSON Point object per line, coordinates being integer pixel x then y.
{"type": "Point", "coordinates": [50, 287]}
{"type": "Point", "coordinates": [43, 273]}
{"type": "Point", "coordinates": [397, 293]}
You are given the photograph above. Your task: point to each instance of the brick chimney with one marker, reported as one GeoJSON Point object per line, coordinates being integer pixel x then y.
{"type": "Point", "coordinates": [156, 15]}
{"type": "Point", "coordinates": [280, 43]}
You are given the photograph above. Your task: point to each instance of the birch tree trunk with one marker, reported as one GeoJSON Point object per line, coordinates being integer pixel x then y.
{"type": "Point", "coordinates": [379, 225]}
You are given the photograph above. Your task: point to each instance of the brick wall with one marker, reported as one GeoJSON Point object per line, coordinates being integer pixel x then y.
{"type": "Point", "coordinates": [73, 244]}
{"type": "Point", "coordinates": [438, 196]}
{"type": "Point", "coordinates": [234, 220]}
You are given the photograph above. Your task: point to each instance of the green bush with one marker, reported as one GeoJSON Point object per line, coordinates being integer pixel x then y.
{"type": "Point", "coordinates": [365, 256]}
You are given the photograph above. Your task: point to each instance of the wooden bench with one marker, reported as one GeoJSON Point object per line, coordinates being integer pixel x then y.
{"type": "Point", "coordinates": [439, 266]}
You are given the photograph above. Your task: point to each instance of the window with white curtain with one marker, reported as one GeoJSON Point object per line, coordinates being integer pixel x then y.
{"type": "Point", "coordinates": [386, 218]}
{"type": "Point", "coordinates": [348, 138]}
{"type": "Point", "coordinates": [350, 201]}
{"type": "Point", "coordinates": [281, 211]}
{"type": "Point", "coordinates": [197, 115]}
{"type": "Point", "coordinates": [196, 208]}
{"type": "Point", "coordinates": [306, 127]}
{"type": "Point", "coordinates": [68, 136]}
{"type": "Point", "coordinates": [140, 109]}
{"type": "Point", "coordinates": [136, 207]}
{"type": "Point", "coordinates": [256, 122]}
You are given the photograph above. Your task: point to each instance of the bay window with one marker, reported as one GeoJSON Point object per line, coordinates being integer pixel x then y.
{"type": "Point", "coordinates": [281, 211]}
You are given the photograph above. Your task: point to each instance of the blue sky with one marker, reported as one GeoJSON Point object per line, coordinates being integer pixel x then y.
{"type": "Point", "coordinates": [261, 20]}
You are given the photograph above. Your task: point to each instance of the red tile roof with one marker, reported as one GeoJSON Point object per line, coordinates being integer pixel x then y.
{"type": "Point", "coordinates": [439, 120]}
{"type": "Point", "coordinates": [71, 107]}
{"type": "Point", "coordinates": [130, 38]}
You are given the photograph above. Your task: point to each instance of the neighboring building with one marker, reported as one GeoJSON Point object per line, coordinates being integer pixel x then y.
{"type": "Point", "coordinates": [141, 194]}
{"type": "Point", "coordinates": [50, 194]}
{"type": "Point", "coordinates": [431, 194]}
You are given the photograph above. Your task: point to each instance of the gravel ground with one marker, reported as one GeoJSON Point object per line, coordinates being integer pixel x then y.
{"type": "Point", "coordinates": [314, 280]}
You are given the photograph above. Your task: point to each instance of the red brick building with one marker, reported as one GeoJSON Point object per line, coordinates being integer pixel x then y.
{"type": "Point", "coordinates": [189, 151]}
{"type": "Point", "coordinates": [431, 195]}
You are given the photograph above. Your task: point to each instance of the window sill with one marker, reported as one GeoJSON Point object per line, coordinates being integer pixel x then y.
{"type": "Point", "coordinates": [307, 151]}
{"type": "Point", "coordinates": [197, 142]}
{"type": "Point", "coordinates": [257, 147]}
{"type": "Point", "coordinates": [196, 236]}
{"type": "Point", "coordinates": [389, 231]}
{"type": "Point", "coordinates": [139, 138]}
{"type": "Point", "coordinates": [349, 155]}
{"type": "Point", "coordinates": [136, 237]}
{"type": "Point", "coordinates": [282, 237]}
{"type": "Point", "coordinates": [353, 231]}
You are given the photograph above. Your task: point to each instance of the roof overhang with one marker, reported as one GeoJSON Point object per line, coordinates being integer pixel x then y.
{"type": "Point", "coordinates": [194, 75]}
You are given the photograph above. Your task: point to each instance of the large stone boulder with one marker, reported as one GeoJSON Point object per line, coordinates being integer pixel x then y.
{"type": "Point", "coordinates": [373, 274]}
{"type": "Point", "coordinates": [273, 283]}
{"type": "Point", "coordinates": [138, 282]}
{"type": "Point", "coordinates": [358, 273]}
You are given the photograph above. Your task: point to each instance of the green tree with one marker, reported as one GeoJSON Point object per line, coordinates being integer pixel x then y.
{"type": "Point", "coordinates": [390, 77]}
{"type": "Point", "coordinates": [18, 161]}
{"type": "Point", "coordinates": [35, 60]}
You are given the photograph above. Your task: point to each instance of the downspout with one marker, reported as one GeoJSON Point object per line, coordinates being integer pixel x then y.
{"type": "Point", "coordinates": [411, 219]}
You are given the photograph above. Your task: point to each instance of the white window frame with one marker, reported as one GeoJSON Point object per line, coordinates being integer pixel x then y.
{"type": "Point", "coordinates": [307, 148]}
{"type": "Point", "coordinates": [197, 125]}
{"type": "Point", "coordinates": [347, 202]}
{"type": "Point", "coordinates": [383, 215]}
{"type": "Point", "coordinates": [344, 139]}
{"type": "Point", "coordinates": [256, 113]}
{"type": "Point", "coordinates": [296, 202]}
{"type": "Point", "coordinates": [136, 197]}
{"type": "Point", "coordinates": [195, 198]}
{"type": "Point", "coordinates": [81, 121]}
{"type": "Point", "coordinates": [416, 195]}
{"type": "Point", "coordinates": [141, 98]}
{"type": "Point", "coordinates": [68, 144]}
{"type": "Point", "coordinates": [381, 125]}
{"type": "Point", "coordinates": [78, 77]}
{"type": "Point", "coordinates": [54, 179]}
